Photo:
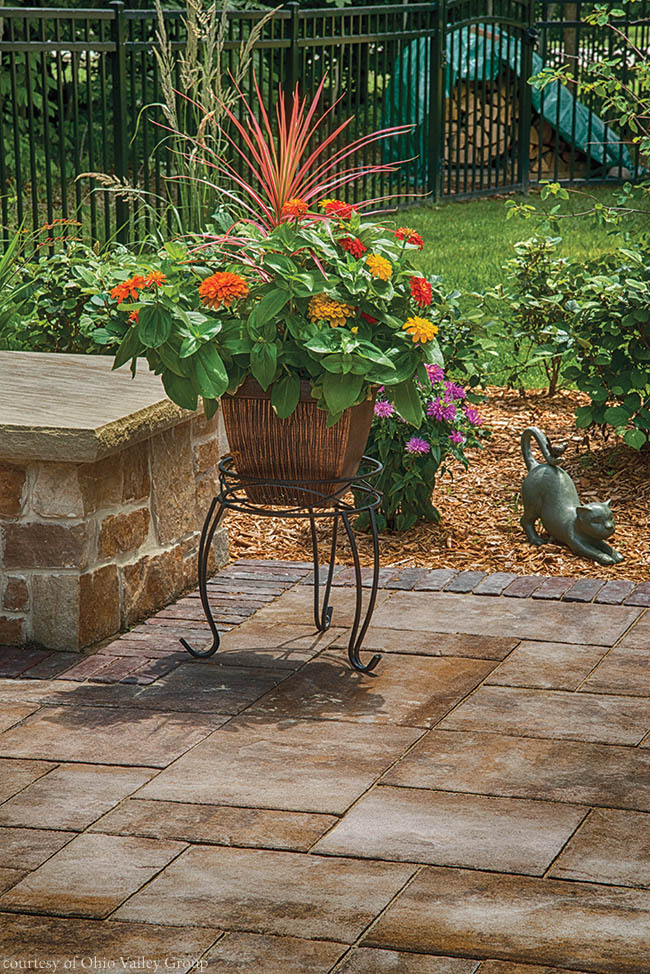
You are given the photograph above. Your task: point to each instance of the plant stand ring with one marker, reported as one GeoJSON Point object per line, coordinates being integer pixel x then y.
{"type": "Point", "coordinates": [235, 495]}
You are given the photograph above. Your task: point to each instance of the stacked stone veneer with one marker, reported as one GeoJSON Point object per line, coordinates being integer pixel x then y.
{"type": "Point", "coordinates": [87, 549]}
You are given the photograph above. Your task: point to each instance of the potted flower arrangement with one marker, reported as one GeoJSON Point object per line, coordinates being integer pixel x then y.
{"type": "Point", "coordinates": [296, 315]}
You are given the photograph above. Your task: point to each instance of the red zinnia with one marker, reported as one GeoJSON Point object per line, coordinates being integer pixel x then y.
{"type": "Point", "coordinates": [410, 236]}
{"type": "Point", "coordinates": [338, 208]}
{"type": "Point", "coordinates": [420, 291]}
{"type": "Point", "coordinates": [296, 208]}
{"type": "Point", "coordinates": [222, 288]}
{"type": "Point", "coordinates": [353, 246]}
{"type": "Point", "coordinates": [369, 318]}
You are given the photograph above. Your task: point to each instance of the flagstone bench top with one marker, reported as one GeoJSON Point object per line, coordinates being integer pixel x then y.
{"type": "Point", "coordinates": [73, 408]}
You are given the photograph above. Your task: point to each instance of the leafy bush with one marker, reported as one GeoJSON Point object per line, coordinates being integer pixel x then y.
{"type": "Point", "coordinates": [612, 349]}
{"type": "Point", "coordinates": [467, 348]}
{"type": "Point", "coordinates": [54, 300]}
{"type": "Point", "coordinates": [532, 312]}
{"type": "Point", "coordinates": [412, 457]}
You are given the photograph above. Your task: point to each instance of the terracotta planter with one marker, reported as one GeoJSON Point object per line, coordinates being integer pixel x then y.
{"type": "Point", "coordinates": [299, 448]}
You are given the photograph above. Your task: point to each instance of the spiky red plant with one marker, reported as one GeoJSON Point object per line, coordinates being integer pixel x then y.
{"type": "Point", "coordinates": [288, 161]}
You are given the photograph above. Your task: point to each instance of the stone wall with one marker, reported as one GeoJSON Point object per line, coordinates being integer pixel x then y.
{"type": "Point", "coordinates": [87, 549]}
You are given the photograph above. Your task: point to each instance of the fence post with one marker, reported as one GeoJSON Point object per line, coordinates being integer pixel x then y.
{"type": "Point", "coordinates": [528, 39]}
{"type": "Point", "coordinates": [436, 97]}
{"type": "Point", "coordinates": [120, 135]}
{"type": "Point", "coordinates": [293, 67]}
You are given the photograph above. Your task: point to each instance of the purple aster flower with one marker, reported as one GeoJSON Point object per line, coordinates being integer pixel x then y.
{"type": "Point", "coordinates": [454, 391]}
{"type": "Point", "coordinates": [435, 409]}
{"type": "Point", "coordinates": [473, 416]}
{"type": "Point", "coordinates": [435, 373]}
{"type": "Point", "coordinates": [384, 409]}
{"type": "Point", "coordinates": [417, 445]}
{"type": "Point", "coordinates": [457, 437]}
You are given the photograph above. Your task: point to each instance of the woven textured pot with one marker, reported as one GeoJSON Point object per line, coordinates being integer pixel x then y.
{"type": "Point", "coordinates": [298, 448]}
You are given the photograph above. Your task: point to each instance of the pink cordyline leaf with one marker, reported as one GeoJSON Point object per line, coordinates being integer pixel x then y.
{"type": "Point", "coordinates": [280, 164]}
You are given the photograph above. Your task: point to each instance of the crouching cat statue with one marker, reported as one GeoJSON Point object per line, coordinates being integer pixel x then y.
{"type": "Point", "coordinates": [549, 493]}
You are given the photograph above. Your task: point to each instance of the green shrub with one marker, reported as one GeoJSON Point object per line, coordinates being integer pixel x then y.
{"type": "Point", "coordinates": [612, 349]}
{"type": "Point", "coordinates": [531, 313]}
{"type": "Point", "coordinates": [54, 300]}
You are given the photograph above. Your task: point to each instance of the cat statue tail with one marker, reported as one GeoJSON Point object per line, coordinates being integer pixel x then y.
{"type": "Point", "coordinates": [551, 454]}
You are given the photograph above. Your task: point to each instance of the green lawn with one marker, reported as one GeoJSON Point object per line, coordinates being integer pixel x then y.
{"type": "Point", "coordinates": [468, 242]}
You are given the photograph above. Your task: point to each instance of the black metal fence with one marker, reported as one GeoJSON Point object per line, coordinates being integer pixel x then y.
{"type": "Point", "coordinates": [74, 86]}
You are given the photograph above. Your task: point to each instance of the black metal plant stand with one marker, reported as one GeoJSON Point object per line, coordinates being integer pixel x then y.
{"type": "Point", "coordinates": [321, 503]}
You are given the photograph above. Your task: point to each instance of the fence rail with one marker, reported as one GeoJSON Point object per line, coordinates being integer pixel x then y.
{"type": "Point", "coordinates": [74, 86]}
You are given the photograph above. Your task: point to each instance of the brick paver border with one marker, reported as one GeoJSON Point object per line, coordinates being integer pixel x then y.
{"type": "Point", "coordinates": [151, 650]}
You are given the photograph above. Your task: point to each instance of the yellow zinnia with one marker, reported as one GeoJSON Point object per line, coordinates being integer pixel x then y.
{"type": "Point", "coordinates": [336, 313]}
{"type": "Point", "coordinates": [420, 329]}
{"type": "Point", "coordinates": [379, 267]}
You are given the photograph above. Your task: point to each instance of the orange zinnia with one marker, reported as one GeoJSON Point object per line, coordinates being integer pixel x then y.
{"type": "Point", "coordinates": [295, 208]}
{"type": "Point", "coordinates": [129, 289]}
{"type": "Point", "coordinates": [157, 278]}
{"type": "Point", "coordinates": [222, 288]}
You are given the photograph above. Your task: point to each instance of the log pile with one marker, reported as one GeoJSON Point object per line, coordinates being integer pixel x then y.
{"type": "Point", "coordinates": [482, 122]}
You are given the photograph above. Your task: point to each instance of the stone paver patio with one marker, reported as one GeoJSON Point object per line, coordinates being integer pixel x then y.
{"type": "Point", "coordinates": [478, 805]}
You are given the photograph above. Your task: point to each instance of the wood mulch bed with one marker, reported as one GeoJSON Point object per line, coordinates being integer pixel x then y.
{"type": "Point", "coordinates": [480, 508]}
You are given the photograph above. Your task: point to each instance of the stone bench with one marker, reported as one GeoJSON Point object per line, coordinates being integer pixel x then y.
{"type": "Point", "coordinates": [104, 484]}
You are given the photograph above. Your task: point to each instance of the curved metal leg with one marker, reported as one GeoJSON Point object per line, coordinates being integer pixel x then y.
{"type": "Point", "coordinates": [210, 525]}
{"type": "Point", "coordinates": [323, 616]}
{"type": "Point", "coordinates": [357, 634]}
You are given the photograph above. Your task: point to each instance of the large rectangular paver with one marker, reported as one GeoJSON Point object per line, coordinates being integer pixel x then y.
{"type": "Point", "coordinates": [61, 940]}
{"type": "Point", "coordinates": [54, 800]}
{"type": "Point", "coordinates": [598, 928]}
{"type": "Point", "coordinates": [107, 735]}
{"type": "Point", "coordinates": [413, 825]}
{"type": "Point", "coordinates": [28, 848]}
{"type": "Point", "coordinates": [16, 775]}
{"type": "Point", "coordinates": [639, 635]}
{"type": "Point", "coordinates": [90, 876]}
{"type": "Point", "coordinates": [269, 892]}
{"type": "Point", "coordinates": [416, 692]}
{"type": "Point", "coordinates": [550, 666]}
{"type": "Point", "coordinates": [304, 765]}
{"type": "Point", "coordinates": [554, 621]}
{"type": "Point", "coordinates": [561, 771]}
{"type": "Point", "coordinates": [420, 643]}
{"type": "Point", "coordinates": [611, 847]}
{"type": "Point", "coordinates": [13, 713]}
{"type": "Point", "coordinates": [247, 953]}
{"type": "Point", "coordinates": [553, 713]}
{"type": "Point", "coordinates": [625, 671]}
{"type": "Point", "coordinates": [296, 607]}
{"type": "Point", "coordinates": [216, 824]}
{"type": "Point", "coordinates": [371, 960]}
{"type": "Point", "coordinates": [255, 643]}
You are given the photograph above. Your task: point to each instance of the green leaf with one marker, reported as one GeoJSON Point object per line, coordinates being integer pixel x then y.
{"type": "Point", "coordinates": [210, 407]}
{"type": "Point", "coordinates": [189, 346]}
{"type": "Point", "coordinates": [635, 438]}
{"type": "Point", "coordinates": [268, 308]}
{"type": "Point", "coordinates": [264, 363]}
{"type": "Point", "coordinates": [341, 391]}
{"type": "Point", "coordinates": [181, 391]}
{"type": "Point", "coordinates": [130, 347]}
{"type": "Point", "coordinates": [154, 325]}
{"type": "Point", "coordinates": [210, 372]}
{"type": "Point", "coordinates": [584, 417]}
{"type": "Point", "coordinates": [285, 395]}
{"type": "Point", "coordinates": [406, 400]}
{"type": "Point", "coordinates": [617, 416]}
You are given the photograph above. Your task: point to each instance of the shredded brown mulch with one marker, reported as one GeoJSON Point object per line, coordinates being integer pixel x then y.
{"type": "Point", "coordinates": [480, 508]}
